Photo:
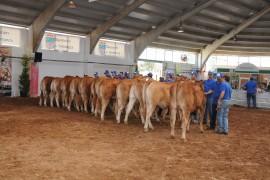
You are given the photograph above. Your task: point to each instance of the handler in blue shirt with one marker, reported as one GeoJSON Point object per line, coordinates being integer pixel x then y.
{"type": "Point", "coordinates": [96, 75]}
{"type": "Point", "coordinates": [169, 77]}
{"type": "Point", "coordinates": [209, 96]}
{"type": "Point", "coordinates": [251, 87]}
{"type": "Point", "coordinates": [215, 91]}
{"type": "Point", "coordinates": [224, 105]}
{"type": "Point", "coordinates": [107, 74]}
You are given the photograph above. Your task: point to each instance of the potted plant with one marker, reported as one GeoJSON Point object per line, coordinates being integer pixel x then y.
{"type": "Point", "coordinates": [24, 79]}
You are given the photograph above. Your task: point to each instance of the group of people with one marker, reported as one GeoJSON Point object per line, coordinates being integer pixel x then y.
{"type": "Point", "coordinates": [218, 94]}
{"type": "Point", "coordinates": [126, 75]}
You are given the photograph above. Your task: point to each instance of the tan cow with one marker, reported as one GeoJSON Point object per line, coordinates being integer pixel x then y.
{"type": "Point", "coordinates": [122, 95]}
{"type": "Point", "coordinates": [84, 89]}
{"type": "Point", "coordinates": [45, 89]}
{"type": "Point", "coordinates": [135, 94]}
{"type": "Point", "coordinates": [187, 97]}
{"type": "Point", "coordinates": [95, 101]}
{"type": "Point", "coordinates": [106, 90]}
{"type": "Point", "coordinates": [56, 91]}
{"type": "Point", "coordinates": [155, 94]}
{"type": "Point", "coordinates": [65, 90]}
{"type": "Point", "coordinates": [74, 94]}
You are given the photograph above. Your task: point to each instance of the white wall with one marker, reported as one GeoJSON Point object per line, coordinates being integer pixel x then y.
{"type": "Point", "coordinates": [83, 62]}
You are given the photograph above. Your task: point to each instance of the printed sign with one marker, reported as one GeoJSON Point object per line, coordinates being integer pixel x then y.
{"type": "Point", "coordinates": [106, 48]}
{"type": "Point", "coordinates": [10, 36]}
{"type": "Point", "coordinates": [5, 71]}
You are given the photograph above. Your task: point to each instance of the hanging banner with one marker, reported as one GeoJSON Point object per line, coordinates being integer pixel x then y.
{"type": "Point", "coordinates": [10, 36]}
{"type": "Point", "coordinates": [34, 72]}
{"type": "Point", "coordinates": [106, 48]}
{"type": "Point", "coordinates": [5, 71]}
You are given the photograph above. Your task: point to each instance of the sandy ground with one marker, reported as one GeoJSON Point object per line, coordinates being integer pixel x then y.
{"type": "Point", "coordinates": [50, 143]}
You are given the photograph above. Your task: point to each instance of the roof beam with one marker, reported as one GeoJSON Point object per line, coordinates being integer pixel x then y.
{"type": "Point", "coordinates": [146, 39]}
{"type": "Point", "coordinates": [239, 5]}
{"type": "Point", "coordinates": [207, 51]}
{"type": "Point", "coordinates": [97, 33]}
{"type": "Point", "coordinates": [42, 21]}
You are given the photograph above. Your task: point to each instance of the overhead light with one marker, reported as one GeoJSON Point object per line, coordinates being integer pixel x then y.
{"type": "Point", "coordinates": [91, 0]}
{"type": "Point", "coordinates": [154, 27]}
{"type": "Point", "coordinates": [180, 29]}
{"type": "Point", "coordinates": [71, 5]}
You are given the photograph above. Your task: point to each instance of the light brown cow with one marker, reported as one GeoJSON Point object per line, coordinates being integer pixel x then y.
{"type": "Point", "coordinates": [95, 101]}
{"type": "Point", "coordinates": [106, 90]}
{"type": "Point", "coordinates": [135, 94]}
{"type": "Point", "coordinates": [56, 91]}
{"type": "Point", "coordinates": [65, 90]}
{"type": "Point", "coordinates": [84, 89]}
{"type": "Point", "coordinates": [155, 94]}
{"type": "Point", "coordinates": [122, 95]}
{"type": "Point", "coordinates": [187, 97]}
{"type": "Point", "coordinates": [45, 89]}
{"type": "Point", "coordinates": [74, 94]}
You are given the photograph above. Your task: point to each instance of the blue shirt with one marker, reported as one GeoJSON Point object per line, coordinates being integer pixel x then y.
{"type": "Point", "coordinates": [226, 87]}
{"type": "Point", "coordinates": [169, 80]}
{"type": "Point", "coordinates": [251, 87]}
{"type": "Point", "coordinates": [108, 76]}
{"type": "Point", "coordinates": [208, 84]}
{"type": "Point", "coordinates": [216, 94]}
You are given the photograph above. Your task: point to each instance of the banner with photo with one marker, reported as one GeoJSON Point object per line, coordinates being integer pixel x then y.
{"type": "Point", "coordinates": [107, 48]}
{"type": "Point", "coordinates": [5, 71]}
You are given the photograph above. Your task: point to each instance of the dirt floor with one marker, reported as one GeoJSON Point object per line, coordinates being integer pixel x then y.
{"type": "Point", "coordinates": [51, 143]}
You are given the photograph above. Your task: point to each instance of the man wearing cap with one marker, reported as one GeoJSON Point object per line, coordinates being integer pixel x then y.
{"type": "Point", "coordinates": [150, 74]}
{"type": "Point", "coordinates": [135, 73]}
{"type": "Point", "coordinates": [169, 77]}
{"type": "Point", "coordinates": [107, 74]}
{"type": "Point", "coordinates": [179, 75]}
{"type": "Point", "coordinates": [113, 74]}
{"type": "Point", "coordinates": [96, 75]}
{"type": "Point", "coordinates": [194, 75]}
{"type": "Point", "coordinates": [224, 101]}
{"type": "Point", "coordinates": [251, 87]}
{"type": "Point", "coordinates": [127, 75]}
{"type": "Point", "coordinates": [215, 91]}
{"type": "Point", "coordinates": [208, 84]}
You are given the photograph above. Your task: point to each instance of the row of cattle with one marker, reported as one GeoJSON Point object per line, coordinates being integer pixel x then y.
{"type": "Point", "coordinates": [182, 97]}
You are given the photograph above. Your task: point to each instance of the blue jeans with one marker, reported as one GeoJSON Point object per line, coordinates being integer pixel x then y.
{"type": "Point", "coordinates": [208, 107]}
{"type": "Point", "coordinates": [223, 123]}
{"type": "Point", "coordinates": [253, 96]}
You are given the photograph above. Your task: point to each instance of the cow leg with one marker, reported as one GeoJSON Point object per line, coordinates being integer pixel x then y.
{"type": "Point", "coordinates": [85, 103]}
{"type": "Point", "coordinates": [98, 104]}
{"type": "Point", "coordinates": [156, 113]}
{"type": "Point", "coordinates": [70, 101]}
{"type": "Point", "coordinates": [63, 99]}
{"type": "Point", "coordinates": [149, 112]}
{"type": "Point", "coordinates": [77, 102]}
{"type": "Point", "coordinates": [104, 104]}
{"type": "Point", "coordinates": [67, 99]}
{"type": "Point", "coordinates": [51, 98]}
{"type": "Point", "coordinates": [40, 98]}
{"type": "Point", "coordinates": [172, 121]}
{"type": "Point", "coordinates": [57, 96]}
{"type": "Point", "coordinates": [120, 106]}
{"type": "Point", "coordinates": [200, 115]}
{"type": "Point", "coordinates": [45, 98]}
{"type": "Point", "coordinates": [184, 124]}
{"type": "Point", "coordinates": [142, 112]}
{"type": "Point", "coordinates": [132, 101]}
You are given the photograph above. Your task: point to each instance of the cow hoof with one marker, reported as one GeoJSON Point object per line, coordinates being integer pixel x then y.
{"type": "Point", "coordinates": [202, 131]}
{"type": "Point", "coordinates": [145, 130]}
{"type": "Point", "coordinates": [118, 122]}
{"type": "Point", "coordinates": [125, 122]}
{"type": "Point", "coordinates": [172, 136]}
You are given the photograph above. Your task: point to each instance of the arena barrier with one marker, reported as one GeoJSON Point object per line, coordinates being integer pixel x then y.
{"type": "Point", "coordinates": [239, 97]}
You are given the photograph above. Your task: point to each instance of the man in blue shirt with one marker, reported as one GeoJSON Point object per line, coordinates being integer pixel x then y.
{"type": "Point", "coordinates": [169, 77]}
{"type": "Point", "coordinates": [224, 101]}
{"type": "Point", "coordinates": [251, 87]}
{"type": "Point", "coordinates": [107, 74]}
{"type": "Point", "coordinates": [215, 91]}
{"type": "Point", "coordinates": [150, 74]}
{"type": "Point", "coordinates": [96, 75]}
{"type": "Point", "coordinates": [113, 74]}
{"type": "Point", "coordinates": [127, 75]}
{"type": "Point", "coordinates": [209, 96]}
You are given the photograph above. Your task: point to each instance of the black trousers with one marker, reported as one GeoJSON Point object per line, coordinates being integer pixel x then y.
{"type": "Point", "coordinates": [214, 116]}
